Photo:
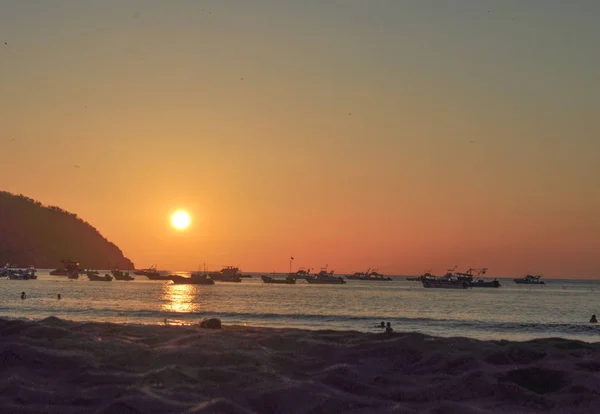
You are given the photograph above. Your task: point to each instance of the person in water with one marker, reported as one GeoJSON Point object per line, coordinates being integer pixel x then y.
{"type": "Point", "coordinates": [58, 297]}
{"type": "Point", "coordinates": [594, 320]}
{"type": "Point", "coordinates": [382, 325]}
{"type": "Point", "coordinates": [23, 295]}
{"type": "Point", "coordinates": [388, 328]}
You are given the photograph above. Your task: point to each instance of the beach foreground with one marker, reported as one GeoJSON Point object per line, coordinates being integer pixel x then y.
{"type": "Point", "coordinates": [56, 366]}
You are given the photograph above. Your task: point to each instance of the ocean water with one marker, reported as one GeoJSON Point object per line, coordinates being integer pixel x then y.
{"type": "Point", "coordinates": [561, 308]}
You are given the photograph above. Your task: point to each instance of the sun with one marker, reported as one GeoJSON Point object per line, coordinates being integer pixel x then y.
{"type": "Point", "coordinates": [181, 220]}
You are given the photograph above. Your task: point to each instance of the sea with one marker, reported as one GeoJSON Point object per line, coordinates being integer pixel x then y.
{"type": "Point", "coordinates": [560, 308]}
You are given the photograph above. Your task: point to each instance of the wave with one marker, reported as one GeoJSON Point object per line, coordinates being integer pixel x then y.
{"type": "Point", "coordinates": [326, 321]}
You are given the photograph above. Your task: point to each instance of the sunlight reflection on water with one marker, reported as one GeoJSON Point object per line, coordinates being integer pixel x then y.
{"type": "Point", "coordinates": [179, 298]}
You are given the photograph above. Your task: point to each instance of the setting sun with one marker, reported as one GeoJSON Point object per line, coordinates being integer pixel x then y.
{"type": "Point", "coordinates": [180, 220]}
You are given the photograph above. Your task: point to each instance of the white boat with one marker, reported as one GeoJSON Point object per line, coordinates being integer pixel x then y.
{"type": "Point", "coordinates": [530, 280]}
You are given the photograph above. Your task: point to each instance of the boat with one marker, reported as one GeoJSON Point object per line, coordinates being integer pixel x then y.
{"type": "Point", "coordinates": [73, 269]}
{"type": "Point", "coordinates": [7, 270]}
{"type": "Point", "coordinates": [227, 274]}
{"type": "Point", "coordinates": [325, 278]}
{"type": "Point", "coordinates": [152, 274]}
{"type": "Point", "coordinates": [14, 273]}
{"type": "Point", "coordinates": [485, 284]}
{"type": "Point", "coordinates": [471, 277]}
{"type": "Point", "coordinates": [448, 281]}
{"type": "Point", "coordinates": [95, 277]}
{"type": "Point", "coordinates": [378, 277]}
{"type": "Point", "coordinates": [289, 280]}
{"type": "Point", "coordinates": [68, 269]}
{"type": "Point", "coordinates": [157, 276]}
{"type": "Point", "coordinates": [121, 275]}
{"type": "Point", "coordinates": [470, 274]}
{"type": "Point", "coordinates": [414, 278]}
{"type": "Point", "coordinates": [358, 275]}
{"type": "Point", "coordinates": [301, 274]}
{"type": "Point", "coordinates": [530, 280]}
{"type": "Point", "coordinates": [372, 275]}
{"type": "Point", "coordinates": [145, 272]}
{"type": "Point", "coordinates": [194, 279]}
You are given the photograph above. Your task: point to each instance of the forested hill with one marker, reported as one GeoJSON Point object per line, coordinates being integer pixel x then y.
{"type": "Point", "coordinates": [34, 234]}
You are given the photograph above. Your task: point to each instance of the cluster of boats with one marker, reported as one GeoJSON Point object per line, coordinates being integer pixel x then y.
{"type": "Point", "coordinates": [324, 277]}
{"type": "Point", "coordinates": [14, 273]}
{"type": "Point", "coordinates": [472, 278]}
{"type": "Point", "coordinates": [469, 279]}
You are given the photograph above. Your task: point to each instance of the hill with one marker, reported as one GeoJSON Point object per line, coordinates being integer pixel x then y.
{"type": "Point", "coordinates": [34, 234]}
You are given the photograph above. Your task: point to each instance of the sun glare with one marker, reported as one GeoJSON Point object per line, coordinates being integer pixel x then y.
{"type": "Point", "coordinates": [180, 220]}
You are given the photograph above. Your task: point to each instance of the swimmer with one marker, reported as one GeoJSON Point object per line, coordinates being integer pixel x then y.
{"type": "Point", "coordinates": [23, 295]}
{"type": "Point", "coordinates": [389, 329]}
{"type": "Point", "coordinates": [58, 297]}
{"type": "Point", "coordinates": [594, 320]}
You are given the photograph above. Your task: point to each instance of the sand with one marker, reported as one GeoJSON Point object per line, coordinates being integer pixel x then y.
{"type": "Point", "coordinates": [56, 366]}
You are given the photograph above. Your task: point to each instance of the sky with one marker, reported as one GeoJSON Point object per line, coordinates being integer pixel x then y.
{"type": "Point", "coordinates": [398, 135]}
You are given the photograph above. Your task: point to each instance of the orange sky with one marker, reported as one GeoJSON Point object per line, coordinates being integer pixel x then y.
{"type": "Point", "coordinates": [338, 133]}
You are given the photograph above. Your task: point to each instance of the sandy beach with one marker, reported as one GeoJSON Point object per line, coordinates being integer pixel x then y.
{"type": "Point", "coordinates": [56, 366]}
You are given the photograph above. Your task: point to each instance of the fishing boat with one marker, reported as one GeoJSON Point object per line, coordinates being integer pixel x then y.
{"type": "Point", "coordinates": [358, 275]}
{"type": "Point", "coordinates": [95, 277]}
{"type": "Point", "coordinates": [121, 275]}
{"type": "Point", "coordinates": [68, 269]}
{"type": "Point", "coordinates": [145, 272]}
{"type": "Point", "coordinates": [14, 273]}
{"type": "Point", "coordinates": [448, 281]}
{"type": "Point", "coordinates": [157, 276]}
{"type": "Point", "coordinates": [485, 284]}
{"type": "Point", "coordinates": [442, 283]}
{"type": "Point", "coordinates": [325, 278]}
{"type": "Point", "coordinates": [194, 279]}
{"type": "Point", "coordinates": [371, 275]}
{"type": "Point", "coordinates": [301, 274]}
{"type": "Point", "coordinates": [469, 275]}
{"type": "Point", "coordinates": [472, 275]}
{"type": "Point", "coordinates": [530, 280]}
{"type": "Point", "coordinates": [289, 280]}
{"type": "Point", "coordinates": [227, 274]}
{"type": "Point", "coordinates": [152, 274]}
{"type": "Point", "coordinates": [7, 270]}
{"type": "Point", "coordinates": [374, 276]}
